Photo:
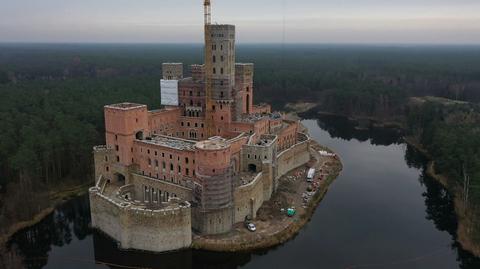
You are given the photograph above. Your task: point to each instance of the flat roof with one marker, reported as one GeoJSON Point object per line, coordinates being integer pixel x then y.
{"type": "Point", "coordinates": [170, 142]}
{"type": "Point", "coordinates": [215, 143]}
{"type": "Point", "coordinates": [125, 106]}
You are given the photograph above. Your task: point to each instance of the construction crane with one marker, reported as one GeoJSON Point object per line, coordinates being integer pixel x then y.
{"type": "Point", "coordinates": [209, 112]}
{"type": "Point", "coordinates": [208, 12]}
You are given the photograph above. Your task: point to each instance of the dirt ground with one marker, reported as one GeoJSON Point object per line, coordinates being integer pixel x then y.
{"type": "Point", "coordinates": [273, 224]}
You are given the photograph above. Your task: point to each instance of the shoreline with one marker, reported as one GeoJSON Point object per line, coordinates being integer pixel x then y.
{"type": "Point", "coordinates": [57, 198]}
{"type": "Point", "coordinates": [289, 228]}
{"type": "Point", "coordinates": [285, 235]}
{"type": "Point", "coordinates": [462, 219]}
{"type": "Point", "coordinates": [298, 108]}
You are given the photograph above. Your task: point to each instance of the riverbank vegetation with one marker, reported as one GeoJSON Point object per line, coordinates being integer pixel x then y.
{"type": "Point", "coordinates": [450, 134]}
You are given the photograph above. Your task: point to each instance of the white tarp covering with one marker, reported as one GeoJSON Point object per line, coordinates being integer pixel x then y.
{"type": "Point", "coordinates": [169, 92]}
{"type": "Point", "coordinates": [311, 173]}
{"type": "Point", "coordinates": [325, 153]}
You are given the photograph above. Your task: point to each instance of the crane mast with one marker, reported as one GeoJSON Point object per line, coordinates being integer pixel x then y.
{"type": "Point", "coordinates": [208, 12]}
{"type": "Point", "coordinates": [209, 121]}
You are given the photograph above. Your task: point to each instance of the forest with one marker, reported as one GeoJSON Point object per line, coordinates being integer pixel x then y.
{"type": "Point", "coordinates": [451, 135]}
{"type": "Point", "coordinates": [51, 99]}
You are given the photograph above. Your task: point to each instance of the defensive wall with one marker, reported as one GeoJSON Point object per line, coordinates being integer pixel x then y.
{"type": "Point", "coordinates": [293, 156]}
{"type": "Point", "coordinates": [135, 227]}
{"type": "Point", "coordinates": [249, 198]}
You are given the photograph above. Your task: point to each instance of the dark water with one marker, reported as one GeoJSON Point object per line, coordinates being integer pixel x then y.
{"type": "Point", "coordinates": [382, 212]}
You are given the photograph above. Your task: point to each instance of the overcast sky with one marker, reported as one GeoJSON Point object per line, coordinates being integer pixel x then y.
{"type": "Point", "coordinates": [257, 21]}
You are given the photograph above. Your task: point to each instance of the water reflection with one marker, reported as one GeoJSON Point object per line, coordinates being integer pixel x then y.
{"type": "Point", "coordinates": [107, 253]}
{"type": "Point", "coordinates": [344, 128]}
{"type": "Point", "coordinates": [64, 239]}
{"type": "Point", "coordinates": [70, 220]}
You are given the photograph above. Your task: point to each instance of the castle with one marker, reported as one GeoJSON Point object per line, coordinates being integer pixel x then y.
{"type": "Point", "coordinates": [204, 162]}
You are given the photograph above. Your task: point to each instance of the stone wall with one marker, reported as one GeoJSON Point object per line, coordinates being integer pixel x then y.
{"type": "Point", "coordinates": [217, 221]}
{"type": "Point", "coordinates": [172, 71]}
{"type": "Point", "coordinates": [262, 109]}
{"type": "Point", "coordinates": [292, 158]}
{"type": "Point", "coordinates": [288, 136]}
{"type": "Point", "coordinates": [134, 228]}
{"type": "Point", "coordinates": [164, 121]}
{"type": "Point", "coordinates": [103, 159]}
{"type": "Point", "coordinates": [256, 154]}
{"type": "Point", "coordinates": [106, 166]}
{"type": "Point", "coordinates": [249, 198]}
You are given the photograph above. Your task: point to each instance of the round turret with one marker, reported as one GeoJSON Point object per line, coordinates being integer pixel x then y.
{"type": "Point", "coordinates": [213, 157]}
{"type": "Point", "coordinates": [214, 173]}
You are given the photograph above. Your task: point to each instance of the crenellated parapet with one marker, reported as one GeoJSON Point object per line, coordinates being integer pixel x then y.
{"type": "Point", "coordinates": [136, 226]}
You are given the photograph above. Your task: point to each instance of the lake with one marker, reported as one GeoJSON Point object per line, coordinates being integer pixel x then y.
{"type": "Point", "coordinates": [381, 212]}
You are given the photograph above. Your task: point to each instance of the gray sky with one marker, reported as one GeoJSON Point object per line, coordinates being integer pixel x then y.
{"type": "Point", "coordinates": [258, 21]}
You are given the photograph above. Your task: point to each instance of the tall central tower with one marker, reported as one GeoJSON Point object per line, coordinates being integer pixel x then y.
{"type": "Point", "coordinates": [219, 73]}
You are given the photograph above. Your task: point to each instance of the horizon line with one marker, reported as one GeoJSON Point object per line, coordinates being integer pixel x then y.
{"type": "Point", "coordinates": [246, 43]}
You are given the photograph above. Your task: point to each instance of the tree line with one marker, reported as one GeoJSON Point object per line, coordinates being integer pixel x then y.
{"type": "Point", "coordinates": [451, 135]}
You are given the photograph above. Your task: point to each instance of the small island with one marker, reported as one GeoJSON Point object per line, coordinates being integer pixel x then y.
{"type": "Point", "coordinates": [210, 170]}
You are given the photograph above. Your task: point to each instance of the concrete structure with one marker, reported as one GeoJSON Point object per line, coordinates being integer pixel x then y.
{"type": "Point", "coordinates": [199, 167]}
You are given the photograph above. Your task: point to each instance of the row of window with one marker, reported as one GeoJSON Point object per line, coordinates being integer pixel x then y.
{"type": "Point", "coordinates": [188, 124]}
{"type": "Point", "coordinates": [154, 195]}
{"type": "Point", "coordinates": [199, 104]}
{"type": "Point", "coordinates": [156, 163]}
{"type": "Point", "coordinates": [215, 71]}
{"type": "Point", "coordinates": [191, 134]}
{"type": "Point", "coordinates": [214, 46]}
{"type": "Point", "coordinates": [255, 156]}
{"type": "Point", "coordinates": [214, 58]}
{"type": "Point", "coordinates": [171, 178]}
{"type": "Point", "coordinates": [191, 93]}
{"type": "Point", "coordinates": [170, 156]}
{"type": "Point", "coordinates": [192, 114]}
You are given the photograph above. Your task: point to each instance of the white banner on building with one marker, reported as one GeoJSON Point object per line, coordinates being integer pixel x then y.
{"type": "Point", "coordinates": [169, 92]}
